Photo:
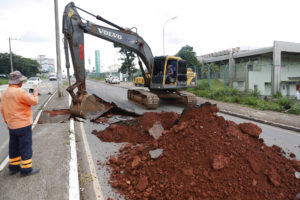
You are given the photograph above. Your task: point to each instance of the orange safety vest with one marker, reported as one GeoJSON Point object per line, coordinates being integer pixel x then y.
{"type": "Point", "coordinates": [16, 107]}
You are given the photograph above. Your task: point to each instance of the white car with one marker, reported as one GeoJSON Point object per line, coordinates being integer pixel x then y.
{"type": "Point", "coordinates": [108, 79]}
{"type": "Point", "coordinates": [52, 78]}
{"type": "Point", "coordinates": [115, 80]}
{"type": "Point", "coordinates": [33, 82]}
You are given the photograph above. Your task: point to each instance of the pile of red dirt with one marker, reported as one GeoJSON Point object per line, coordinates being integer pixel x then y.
{"type": "Point", "coordinates": [201, 156]}
{"type": "Point", "coordinates": [136, 130]}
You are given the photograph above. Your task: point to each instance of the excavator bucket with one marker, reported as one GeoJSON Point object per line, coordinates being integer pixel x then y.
{"type": "Point", "coordinates": [90, 107]}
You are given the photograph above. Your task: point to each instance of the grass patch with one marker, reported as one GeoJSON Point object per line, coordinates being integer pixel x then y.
{"type": "Point", "coordinates": [97, 78]}
{"type": "Point", "coordinates": [3, 81]}
{"type": "Point", "coordinates": [295, 109]}
{"type": "Point", "coordinates": [66, 83]}
{"type": "Point", "coordinates": [214, 83]}
{"type": "Point", "coordinates": [251, 98]}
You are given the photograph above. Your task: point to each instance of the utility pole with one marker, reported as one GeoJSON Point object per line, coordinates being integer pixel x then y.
{"type": "Point", "coordinates": [10, 53]}
{"type": "Point", "coordinates": [58, 59]}
{"type": "Point", "coordinates": [11, 61]}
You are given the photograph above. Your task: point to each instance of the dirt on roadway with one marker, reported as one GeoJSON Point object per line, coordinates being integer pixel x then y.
{"type": "Point", "coordinates": [197, 155]}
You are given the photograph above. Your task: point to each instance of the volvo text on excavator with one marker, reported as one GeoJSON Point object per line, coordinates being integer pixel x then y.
{"type": "Point", "coordinates": [163, 75]}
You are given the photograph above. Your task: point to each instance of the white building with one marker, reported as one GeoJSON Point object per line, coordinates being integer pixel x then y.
{"type": "Point", "coordinates": [46, 64]}
{"type": "Point", "coordinates": [268, 70]}
{"type": "Point", "coordinates": [113, 68]}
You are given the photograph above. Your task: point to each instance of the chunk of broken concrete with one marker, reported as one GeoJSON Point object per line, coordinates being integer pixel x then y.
{"type": "Point", "coordinates": [297, 174]}
{"type": "Point", "coordinates": [156, 131]}
{"type": "Point", "coordinates": [154, 154]}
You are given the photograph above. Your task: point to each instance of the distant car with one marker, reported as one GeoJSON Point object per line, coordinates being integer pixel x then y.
{"type": "Point", "coordinates": [115, 80]}
{"type": "Point", "coordinates": [4, 76]}
{"type": "Point", "coordinates": [108, 79]}
{"type": "Point", "coordinates": [33, 82]}
{"type": "Point", "coordinates": [52, 78]}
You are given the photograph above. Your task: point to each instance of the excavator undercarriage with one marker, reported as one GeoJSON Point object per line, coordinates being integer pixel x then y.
{"type": "Point", "coordinates": [150, 99]}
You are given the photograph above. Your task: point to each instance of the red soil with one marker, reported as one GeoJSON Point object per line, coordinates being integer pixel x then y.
{"type": "Point", "coordinates": [136, 131]}
{"type": "Point", "coordinates": [204, 157]}
{"type": "Point", "coordinates": [54, 113]}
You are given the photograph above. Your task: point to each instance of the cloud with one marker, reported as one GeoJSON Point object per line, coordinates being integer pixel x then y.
{"type": "Point", "coordinates": [176, 40]}
{"type": "Point", "coordinates": [30, 36]}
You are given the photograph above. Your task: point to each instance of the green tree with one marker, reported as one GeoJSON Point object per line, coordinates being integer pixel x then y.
{"type": "Point", "coordinates": [128, 65]}
{"type": "Point", "coordinates": [214, 68]}
{"type": "Point", "coordinates": [187, 53]}
{"type": "Point", "coordinates": [26, 66]}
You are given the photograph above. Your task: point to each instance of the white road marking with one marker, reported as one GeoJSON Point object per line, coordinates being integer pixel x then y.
{"type": "Point", "coordinates": [97, 188]}
{"type": "Point", "coordinates": [3, 145]}
{"type": "Point", "coordinates": [4, 163]}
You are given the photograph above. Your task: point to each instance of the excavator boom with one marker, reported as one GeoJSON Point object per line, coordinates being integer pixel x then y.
{"type": "Point", "coordinates": [74, 28]}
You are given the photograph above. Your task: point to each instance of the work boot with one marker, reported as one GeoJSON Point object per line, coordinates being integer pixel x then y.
{"type": "Point", "coordinates": [14, 171]}
{"type": "Point", "coordinates": [33, 171]}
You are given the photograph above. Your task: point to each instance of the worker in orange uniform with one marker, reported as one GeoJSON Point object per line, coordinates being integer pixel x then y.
{"type": "Point", "coordinates": [16, 111]}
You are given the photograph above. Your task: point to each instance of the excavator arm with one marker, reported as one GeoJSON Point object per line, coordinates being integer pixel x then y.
{"type": "Point", "coordinates": [74, 28]}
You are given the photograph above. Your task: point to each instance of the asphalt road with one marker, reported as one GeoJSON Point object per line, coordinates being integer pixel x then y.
{"type": "Point", "coordinates": [101, 151]}
{"type": "Point", "coordinates": [4, 137]}
{"type": "Point", "coordinates": [113, 93]}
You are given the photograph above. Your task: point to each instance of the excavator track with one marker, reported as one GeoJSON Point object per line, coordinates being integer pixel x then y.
{"type": "Point", "coordinates": [143, 97]}
{"type": "Point", "coordinates": [187, 98]}
{"type": "Point", "coordinates": [181, 98]}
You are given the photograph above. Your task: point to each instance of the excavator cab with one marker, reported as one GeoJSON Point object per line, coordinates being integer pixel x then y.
{"type": "Point", "coordinates": [168, 72]}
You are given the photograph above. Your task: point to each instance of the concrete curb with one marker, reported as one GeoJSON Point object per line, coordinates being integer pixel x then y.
{"type": "Point", "coordinates": [284, 126]}
{"type": "Point", "coordinates": [5, 161]}
{"type": "Point", "coordinates": [74, 193]}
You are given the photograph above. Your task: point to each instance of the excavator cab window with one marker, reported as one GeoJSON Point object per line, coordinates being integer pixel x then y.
{"type": "Point", "coordinates": [171, 72]}
{"type": "Point", "coordinates": [182, 72]}
{"type": "Point", "coordinates": [158, 71]}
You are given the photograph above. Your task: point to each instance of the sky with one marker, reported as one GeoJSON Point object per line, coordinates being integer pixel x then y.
{"type": "Point", "coordinates": [206, 25]}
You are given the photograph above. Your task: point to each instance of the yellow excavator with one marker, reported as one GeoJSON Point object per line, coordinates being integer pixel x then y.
{"type": "Point", "coordinates": [164, 75]}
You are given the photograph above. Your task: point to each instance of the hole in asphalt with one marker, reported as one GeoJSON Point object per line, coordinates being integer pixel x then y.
{"type": "Point", "coordinates": [54, 116]}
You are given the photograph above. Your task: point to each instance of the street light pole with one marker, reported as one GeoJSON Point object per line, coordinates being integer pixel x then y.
{"type": "Point", "coordinates": [58, 59]}
{"type": "Point", "coordinates": [164, 32]}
